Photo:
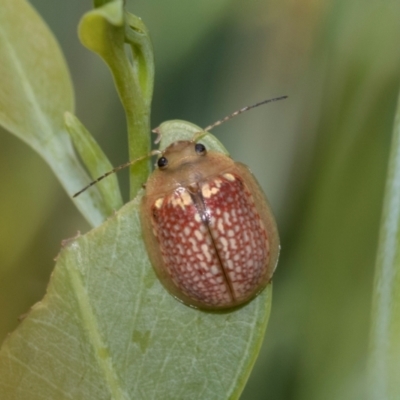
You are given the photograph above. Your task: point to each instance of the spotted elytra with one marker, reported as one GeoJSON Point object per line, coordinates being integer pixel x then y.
{"type": "Point", "coordinates": [207, 226]}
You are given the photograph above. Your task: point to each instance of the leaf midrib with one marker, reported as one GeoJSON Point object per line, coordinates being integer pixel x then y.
{"type": "Point", "coordinates": [92, 330]}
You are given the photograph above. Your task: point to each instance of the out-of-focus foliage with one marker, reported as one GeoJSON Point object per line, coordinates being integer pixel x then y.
{"type": "Point", "coordinates": [384, 354]}
{"type": "Point", "coordinates": [321, 157]}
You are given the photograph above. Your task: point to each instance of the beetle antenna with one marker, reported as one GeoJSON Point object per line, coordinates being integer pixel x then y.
{"type": "Point", "coordinates": [116, 169]}
{"type": "Point", "coordinates": [242, 110]}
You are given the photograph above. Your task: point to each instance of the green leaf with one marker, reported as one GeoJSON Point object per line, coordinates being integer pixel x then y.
{"type": "Point", "coordinates": [96, 162]}
{"type": "Point", "coordinates": [107, 329]}
{"type": "Point", "coordinates": [35, 91]}
{"type": "Point", "coordinates": [105, 31]}
{"type": "Point", "coordinates": [174, 130]}
{"type": "Point", "coordinates": [385, 329]}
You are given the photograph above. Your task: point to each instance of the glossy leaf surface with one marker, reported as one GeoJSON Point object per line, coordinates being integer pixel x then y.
{"type": "Point", "coordinates": [35, 92]}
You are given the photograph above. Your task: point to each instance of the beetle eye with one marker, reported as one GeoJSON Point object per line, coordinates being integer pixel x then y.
{"type": "Point", "coordinates": [200, 148]}
{"type": "Point", "coordinates": [162, 162]}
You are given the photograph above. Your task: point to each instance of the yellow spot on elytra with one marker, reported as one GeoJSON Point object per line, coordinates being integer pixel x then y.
{"type": "Point", "coordinates": [214, 190]}
{"type": "Point", "coordinates": [220, 225]}
{"type": "Point", "coordinates": [224, 243]}
{"type": "Point", "coordinates": [187, 200]}
{"type": "Point", "coordinates": [159, 202]}
{"type": "Point", "coordinates": [206, 192]}
{"type": "Point", "coordinates": [199, 235]}
{"type": "Point", "coordinates": [206, 251]}
{"type": "Point", "coordinates": [214, 270]}
{"type": "Point", "coordinates": [197, 217]}
{"type": "Point", "coordinates": [194, 245]}
{"type": "Point", "coordinates": [177, 202]}
{"type": "Point", "coordinates": [230, 177]}
{"type": "Point", "coordinates": [227, 218]}
{"type": "Point", "coordinates": [200, 256]}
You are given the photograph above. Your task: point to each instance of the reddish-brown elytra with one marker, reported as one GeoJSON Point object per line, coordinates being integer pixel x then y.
{"type": "Point", "coordinates": [208, 229]}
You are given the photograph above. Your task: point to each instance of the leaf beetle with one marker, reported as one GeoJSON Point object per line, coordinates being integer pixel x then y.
{"type": "Point", "coordinates": [208, 228]}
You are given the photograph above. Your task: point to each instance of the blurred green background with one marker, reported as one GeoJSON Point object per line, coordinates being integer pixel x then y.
{"type": "Point", "coordinates": [321, 157]}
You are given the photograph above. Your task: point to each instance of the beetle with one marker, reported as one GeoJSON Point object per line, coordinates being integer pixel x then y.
{"type": "Point", "coordinates": [207, 226]}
